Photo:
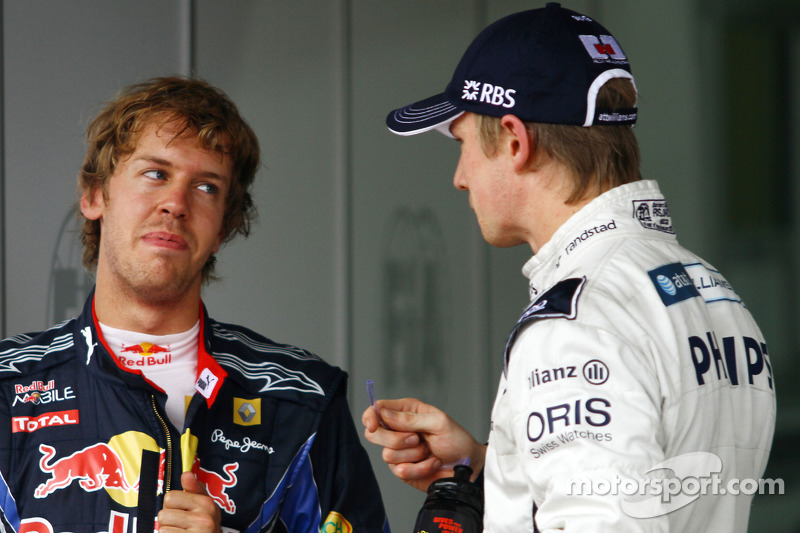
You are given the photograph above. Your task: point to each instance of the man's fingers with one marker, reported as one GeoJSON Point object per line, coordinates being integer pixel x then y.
{"type": "Point", "coordinates": [190, 509]}
{"type": "Point", "coordinates": [413, 454]}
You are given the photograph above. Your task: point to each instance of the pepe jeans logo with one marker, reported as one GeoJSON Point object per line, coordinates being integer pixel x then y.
{"type": "Point", "coordinates": [487, 93]}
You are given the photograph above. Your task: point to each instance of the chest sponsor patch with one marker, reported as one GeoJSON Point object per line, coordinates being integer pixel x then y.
{"type": "Point", "coordinates": [673, 283]}
{"type": "Point", "coordinates": [711, 285]}
{"type": "Point", "coordinates": [559, 302]}
{"type": "Point", "coordinates": [247, 412]}
{"type": "Point", "coordinates": [29, 424]}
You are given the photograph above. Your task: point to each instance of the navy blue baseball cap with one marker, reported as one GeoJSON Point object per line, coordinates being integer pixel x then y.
{"type": "Point", "coordinates": [542, 65]}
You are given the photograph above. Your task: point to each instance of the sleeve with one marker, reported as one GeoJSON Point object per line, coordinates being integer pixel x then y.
{"type": "Point", "coordinates": [350, 498]}
{"type": "Point", "coordinates": [584, 410]}
{"type": "Point", "coordinates": [9, 517]}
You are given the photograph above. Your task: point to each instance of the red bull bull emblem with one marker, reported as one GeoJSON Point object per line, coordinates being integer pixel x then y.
{"type": "Point", "coordinates": [217, 485]}
{"type": "Point", "coordinates": [94, 467]}
{"type": "Point", "coordinates": [149, 355]}
{"type": "Point", "coordinates": [114, 466]}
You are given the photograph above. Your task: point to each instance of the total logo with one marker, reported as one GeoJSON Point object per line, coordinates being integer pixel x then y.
{"type": "Point", "coordinates": [148, 355]}
{"type": "Point", "coordinates": [29, 424]}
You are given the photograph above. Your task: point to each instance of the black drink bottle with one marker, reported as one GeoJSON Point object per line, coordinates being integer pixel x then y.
{"type": "Point", "coordinates": [453, 505]}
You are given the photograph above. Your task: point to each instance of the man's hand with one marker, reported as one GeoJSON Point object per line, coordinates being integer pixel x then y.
{"type": "Point", "coordinates": [191, 509]}
{"type": "Point", "coordinates": [419, 440]}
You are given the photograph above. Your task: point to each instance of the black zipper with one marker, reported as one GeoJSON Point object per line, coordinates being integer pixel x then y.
{"type": "Point", "coordinates": [168, 465]}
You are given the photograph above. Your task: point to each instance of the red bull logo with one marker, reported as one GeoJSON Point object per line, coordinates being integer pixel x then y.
{"type": "Point", "coordinates": [145, 349]}
{"type": "Point", "coordinates": [149, 355]}
{"type": "Point", "coordinates": [216, 484]}
{"type": "Point", "coordinates": [94, 467]}
{"type": "Point", "coordinates": [39, 386]}
{"type": "Point", "coordinates": [114, 466]}
{"type": "Point", "coordinates": [117, 523]}
{"type": "Point", "coordinates": [36, 397]}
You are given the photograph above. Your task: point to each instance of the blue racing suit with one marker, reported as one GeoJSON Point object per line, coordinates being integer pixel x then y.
{"type": "Point", "coordinates": [88, 447]}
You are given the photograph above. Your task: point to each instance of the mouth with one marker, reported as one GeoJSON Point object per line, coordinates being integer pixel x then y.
{"type": "Point", "coordinates": [164, 239]}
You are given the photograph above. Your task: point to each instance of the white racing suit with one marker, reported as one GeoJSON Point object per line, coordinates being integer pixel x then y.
{"type": "Point", "coordinates": [637, 387]}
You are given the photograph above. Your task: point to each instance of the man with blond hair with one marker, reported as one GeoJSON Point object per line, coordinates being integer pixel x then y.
{"type": "Point", "coordinates": [635, 355]}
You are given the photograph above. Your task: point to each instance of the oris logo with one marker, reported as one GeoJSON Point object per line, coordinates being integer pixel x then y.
{"type": "Point", "coordinates": [487, 93]}
{"type": "Point", "coordinates": [594, 412]}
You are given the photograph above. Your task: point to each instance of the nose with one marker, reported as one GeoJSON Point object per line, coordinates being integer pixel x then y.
{"type": "Point", "coordinates": [459, 182]}
{"type": "Point", "coordinates": [175, 202]}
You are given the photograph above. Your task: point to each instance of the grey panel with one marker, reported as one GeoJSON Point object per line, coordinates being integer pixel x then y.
{"type": "Point", "coordinates": [62, 60]}
{"type": "Point", "coordinates": [281, 62]}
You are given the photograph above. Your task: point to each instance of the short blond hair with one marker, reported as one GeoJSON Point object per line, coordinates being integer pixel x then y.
{"type": "Point", "coordinates": [600, 157]}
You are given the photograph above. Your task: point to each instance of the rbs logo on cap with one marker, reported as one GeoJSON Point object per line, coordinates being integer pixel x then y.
{"type": "Point", "coordinates": [487, 93]}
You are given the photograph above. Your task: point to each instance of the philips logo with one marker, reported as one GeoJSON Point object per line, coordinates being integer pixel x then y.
{"type": "Point", "coordinates": [487, 93]}
{"type": "Point", "coordinates": [673, 283]}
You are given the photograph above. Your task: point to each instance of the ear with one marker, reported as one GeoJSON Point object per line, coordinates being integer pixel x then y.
{"type": "Point", "coordinates": [519, 142]}
{"type": "Point", "coordinates": [92, 203]}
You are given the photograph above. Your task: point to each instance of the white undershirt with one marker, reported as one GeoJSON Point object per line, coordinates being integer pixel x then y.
{"type": "Point", "coordinates": [169, 361]}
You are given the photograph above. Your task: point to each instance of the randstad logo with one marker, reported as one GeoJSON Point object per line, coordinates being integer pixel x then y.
{"type": "Point", "coordinates": [487, 93]}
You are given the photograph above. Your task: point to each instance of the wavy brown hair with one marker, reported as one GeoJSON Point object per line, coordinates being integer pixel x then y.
{"type": "Point", "coordinates": [204, 112]}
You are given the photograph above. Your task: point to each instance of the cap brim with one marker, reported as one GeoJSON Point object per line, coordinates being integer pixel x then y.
{"type": "Point", "coordinates": [432, 113]}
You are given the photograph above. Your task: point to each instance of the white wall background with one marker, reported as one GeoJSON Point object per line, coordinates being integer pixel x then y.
{"type": "Point", "coordinates": [360, 233]}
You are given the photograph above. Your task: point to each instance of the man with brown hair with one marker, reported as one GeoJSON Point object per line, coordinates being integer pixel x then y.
{"type": "Point", "coordinates": [635, 356]}
{"type": "Point", "coordinates": [144, 413]}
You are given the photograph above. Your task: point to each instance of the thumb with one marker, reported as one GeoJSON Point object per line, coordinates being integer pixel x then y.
{"type": "Point", "coordinates": [190, 483]}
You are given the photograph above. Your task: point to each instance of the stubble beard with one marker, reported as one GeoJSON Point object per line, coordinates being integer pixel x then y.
{"type": "Point", "coordinates": [155, 282]}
